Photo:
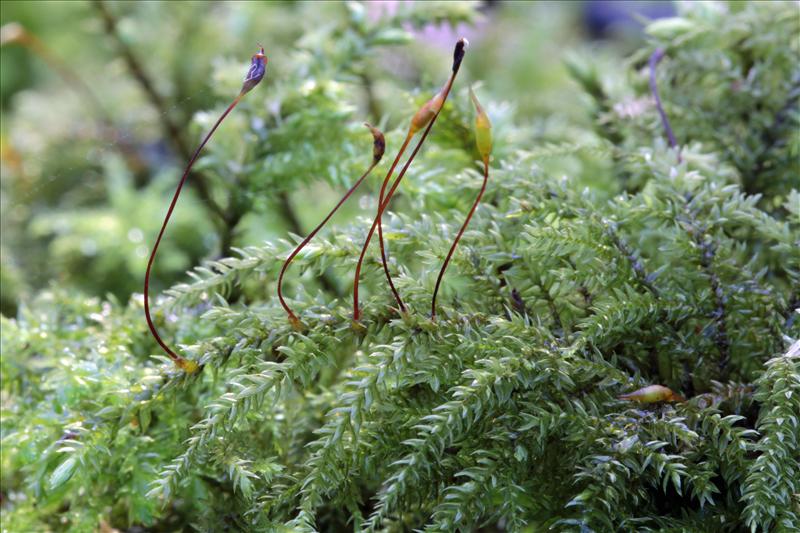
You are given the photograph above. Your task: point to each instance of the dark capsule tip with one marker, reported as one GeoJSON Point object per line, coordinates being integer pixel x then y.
{"type": "Point", "coordinates": [379, 143]}
{"type": "Point", "coordinates": [458, 53]}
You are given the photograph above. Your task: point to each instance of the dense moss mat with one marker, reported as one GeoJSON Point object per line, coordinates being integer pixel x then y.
{"type": "Point", "coordinates": [601, 260]}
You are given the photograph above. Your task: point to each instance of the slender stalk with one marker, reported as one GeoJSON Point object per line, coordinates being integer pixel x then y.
{"type": "Point", "coordinates": [282, 203]}
{"type": "Point", "coordinates": [180, 361]}
{"type": "Point", "coordinates": [458, 237]}
{"type": "Point", "coordinates": [655, 59]}
{"type": "Point", "coordinates": [254, 76]}
{"type": "Point", "coordinates": [483, 141]}
{"type": "Point", "coordinates": [425, 117]}
{"type": "Point", "coordinates": [379, 146]}
{"type": "Point", "coordinates": [380, 226]}
{"type": "Point", "coordinates": [384, 260]}
{"type": "Point", "coordinates": [381, 207]}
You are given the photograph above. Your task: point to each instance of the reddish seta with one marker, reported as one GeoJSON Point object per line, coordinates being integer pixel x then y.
{"type": "Point", "coordinates": [483, 141]}
{"type": "Point", "coordinates": [378, 147]}
{"type": "Point", "coordinates": [258, 67]}
{"type": "Point", "coordinates": [425, 117]}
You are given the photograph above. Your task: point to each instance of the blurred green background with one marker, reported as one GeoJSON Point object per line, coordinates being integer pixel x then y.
{"type": "Point", "coordinates": [103, 102]}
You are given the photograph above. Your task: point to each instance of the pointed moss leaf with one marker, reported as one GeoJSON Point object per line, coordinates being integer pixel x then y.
{"type": "Point", "coordinates": [63, 472]}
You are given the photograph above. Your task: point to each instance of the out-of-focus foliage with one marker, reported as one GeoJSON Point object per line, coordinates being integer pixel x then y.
{"type": "Point", "coordinates": [600, 261]}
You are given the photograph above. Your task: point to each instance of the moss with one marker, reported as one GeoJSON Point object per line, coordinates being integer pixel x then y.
{"type": "Point", "coordinates": [594, 266]}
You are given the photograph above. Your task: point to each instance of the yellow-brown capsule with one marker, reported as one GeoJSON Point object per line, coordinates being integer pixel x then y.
{"type": "Point", "coordinates": [483, 129]}
{"type": "Point", "coordinates": [652, 394]}
{"type": "Point", "coordinates": [426, 113]}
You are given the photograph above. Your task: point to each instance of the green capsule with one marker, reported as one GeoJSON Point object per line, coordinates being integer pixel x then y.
{"type": "Point", "coordinates": [483, 129]}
